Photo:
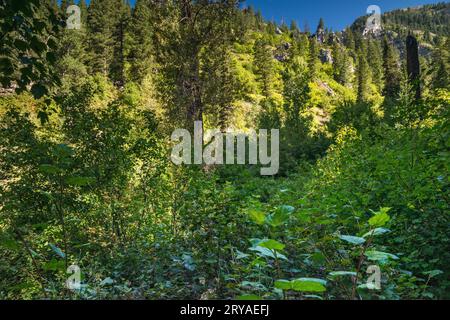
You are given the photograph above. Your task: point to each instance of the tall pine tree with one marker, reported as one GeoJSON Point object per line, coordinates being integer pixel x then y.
{"type": "Point", "coordinates": [141, 30]}
{"type": "Point", "coordinates": [392, 73]}
{"type": "Point", "coordinates": [363, 78]}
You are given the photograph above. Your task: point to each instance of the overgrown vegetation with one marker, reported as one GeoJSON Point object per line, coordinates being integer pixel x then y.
{"type": "Point", "coordinates": [86, 178]}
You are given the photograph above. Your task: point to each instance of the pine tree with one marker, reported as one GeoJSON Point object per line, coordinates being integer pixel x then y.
{"type": "Point", "coordinates": [392, 74]}
{"type": "Point", "coordinates": [301, 46]}
{"type": "Point", "coordinates": [320, 26]}
{"type": "Point", "coordinates": [84, 13]}
{"type": "Point", "coordinates": [221, 86]}
{"type": "Point", "coordinates": [320, 33]}
{"type": "Point", "coordinates": [64, 5]}
{"type": "Point", "coordinates": [441, 65]}
{"type": "Point", "coordinates": [72, 61]}
{"type": "Point", "coordinates": [141, 31]}
{"type": "Point", "coordinates": [313, 59]}
{"type": "Point", "coordinates": [265, 68]}
{"type": "Point", "coordinates": [121, 17]}
{"type": "Point", "coordinates": [191, 30]}
{"type": "Point", "coordinates": [341, 64]}
{"type": "Point", "coordinates": [349, 39]}
{"type": "Point", "coordinates": [100, 29]}
{"type": "Point", "coordinates": [54, 5]}
{"type": "Point", "coordinates": [295, 30]}
{"type": "Point", "coordinates": [107, 20]}
{"type": "Point", "coordinates": [375, 61]}
{"type": "Point", "coordinates": [363, 78]}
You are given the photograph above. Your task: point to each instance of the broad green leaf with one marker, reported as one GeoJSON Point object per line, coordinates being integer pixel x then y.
{"type": "Point", "coordinates": [318, 258]}
{"type": "Point", "coordinates": [433, 273]}
{"type": "Point", "coordinates": [271, 244]}
{"type": "Point", "coordinates": [303, 217]}
{"type": "Point", "coordinates": [379, 256]}
{"type": "Point", "coordinates": [321, 281]}
{"type": "Point", "coordinates": [280, 216]}
{"type": "Point", "coordinates": [376, 232]}
{"type": "Point", "coordinates": [241, 255]}
{"type": "Point", "coordinates": [263, 251]}
{"type": "Point", "coordinates": [257, 216]}
{"type": "Point", "coordinates": [107, 281]}
{"type": "Point", "coordinates": [342, 274]}
{"type": "Point", "coordinates": [268, 253]}
{"type": "Point", "coordinates": [57, 250]}
{"type": "Point", "coordinates": [288, 209]}
{"type": "Point", "coordinates": [281, 256]}
{"type": "Point", "coordinates": [253, 285]}
{"type": "Point", "coordinates": [309, 285]}
{"type": "Point", "coordinates": [283, 284]}
{"type": "Point", "coordinates": [353, 239]}
{"type": "Point", "coordinates": [380, 218]}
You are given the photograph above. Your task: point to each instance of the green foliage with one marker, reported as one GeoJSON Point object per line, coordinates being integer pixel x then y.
{"type": "Point", "coordinates": [28, 52]}
{"type": "Point", "coordinates": [86, 177]}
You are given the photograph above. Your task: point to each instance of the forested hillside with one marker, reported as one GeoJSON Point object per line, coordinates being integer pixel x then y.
{"type": "Point", "coordinates": [88, 188]}
{"type": "Point", "coordinates": [427, 20]}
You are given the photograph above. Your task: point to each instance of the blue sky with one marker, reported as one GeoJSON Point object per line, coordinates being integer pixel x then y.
{"type": "Point", "coordinates": [337, 13]}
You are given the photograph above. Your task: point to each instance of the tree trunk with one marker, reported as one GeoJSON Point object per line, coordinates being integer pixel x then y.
{"type": "Point", "coordinates": [413, 64]}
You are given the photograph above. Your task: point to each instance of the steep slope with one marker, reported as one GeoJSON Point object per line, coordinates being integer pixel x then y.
{"type": "Point", "coordinates": [427, 22]}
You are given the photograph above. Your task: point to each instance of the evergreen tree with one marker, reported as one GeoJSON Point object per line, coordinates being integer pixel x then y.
{"type": "Point", "coordinates": [441, 65]}
{"type": "Point", "coordinates": [392, 74]}
{"type": "Point", "coordinates": [320, 26]}
{"type": "Point", "coordinates": [301, 46]}
{"type": "Point", "coordinates": [221, 87]}
{"type": "Point", "coordinates": [313, 59]}
{"type": "Point", "coordinates": [72, 63]}
{"type": "Point", "coordinates": [100, 29]}
{"type": "Point", "coordinates": [375, 61]}
{"type": "Point", "coordinates": [363, 78]}
{"type": "Point", "coordinates": [265, 68]}
{"type": "Point", "coordinates": [349, 39]}
{"type": "Point", "coordinates": [341, 64]}
{"type": "Point", "coordinates": [141, 31]}
{"type": "Point", "coordinates": [64, 5]}
{"type": "Point", "coordinates": [84, 13]}
{"type": "Point", "coordinates": [121, 17]}
{"type": "Point", "coordinates": [107, 20]}
{"type": "Point", "coordinates": [191, 30]}
{"type": "Point", "coordinates": [295, 30]}
{"type": "Point", "coordinates": [320, 33]}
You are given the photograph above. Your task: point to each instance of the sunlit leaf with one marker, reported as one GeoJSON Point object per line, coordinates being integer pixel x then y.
{"type": "Point", "coordinates": [57, 250]}
{"type": "Point", "coordinates": [352, 239]}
